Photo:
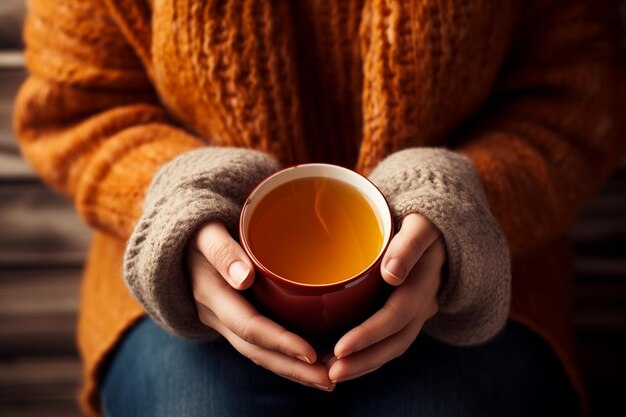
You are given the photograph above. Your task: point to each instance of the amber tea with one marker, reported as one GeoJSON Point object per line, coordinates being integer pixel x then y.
{"type": "Point", "coordinates": [315, 230]}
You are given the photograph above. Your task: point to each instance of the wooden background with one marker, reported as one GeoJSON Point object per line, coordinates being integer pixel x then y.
{"type": "Point", "coordinates": [43, 243]}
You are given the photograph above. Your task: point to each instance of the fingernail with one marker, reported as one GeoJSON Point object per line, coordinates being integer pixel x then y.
{"type": "Point", "coordinates": [395, 269]}
{"type": "Point", "coordinates": [348, 377]}
{"type": "Point", "coordinates": [304, 359]}
{"type": "Point", "coordinates": [238, 272]}
{"type": "Point", "coordinates": [324, 387]}
{"type": "Point", "coordinates": [344, 354]}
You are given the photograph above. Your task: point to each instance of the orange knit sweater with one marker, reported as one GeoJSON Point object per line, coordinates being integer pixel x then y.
{"type": "Point", "coordinates": [531, 91]}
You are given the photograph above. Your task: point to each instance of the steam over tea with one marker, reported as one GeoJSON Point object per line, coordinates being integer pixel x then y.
{"type": "Point", "coordinates": [315, 231]}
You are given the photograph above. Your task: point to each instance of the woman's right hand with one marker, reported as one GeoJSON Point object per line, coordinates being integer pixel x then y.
{"type": "Point", "coordinates": [219, 268]}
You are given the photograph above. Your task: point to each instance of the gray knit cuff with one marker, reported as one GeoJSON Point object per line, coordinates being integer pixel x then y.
{"type": "Point", "coordinates": [443, 186]}
{"type": "Point", "coordinates": [197, 187]}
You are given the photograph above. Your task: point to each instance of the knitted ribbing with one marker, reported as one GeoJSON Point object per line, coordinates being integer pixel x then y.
{"type": "Point", "coordinates": [238, 55]}
{"type": "Point", "coordinates": [331, 75]}
{"type": "Point", "coordinates": [132, 19]}
{"type": "Point", "coordinates": [423, 73]}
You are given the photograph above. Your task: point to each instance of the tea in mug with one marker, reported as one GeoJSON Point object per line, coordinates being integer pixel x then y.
{"type": "Point", "coordinates": [315, 231]}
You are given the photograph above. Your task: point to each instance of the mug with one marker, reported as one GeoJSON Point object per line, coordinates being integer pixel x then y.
{"type": "Point", "coordinates": [319, 311]}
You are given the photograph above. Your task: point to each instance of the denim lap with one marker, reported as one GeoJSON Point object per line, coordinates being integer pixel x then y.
{"type": "Point", "coordinates": [152, 373]}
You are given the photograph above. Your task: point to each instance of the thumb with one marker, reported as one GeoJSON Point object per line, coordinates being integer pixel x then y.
{"type": "Point", "coordinates": [416, 235]}
{"type": "Point", "coordinates": [225, 255]}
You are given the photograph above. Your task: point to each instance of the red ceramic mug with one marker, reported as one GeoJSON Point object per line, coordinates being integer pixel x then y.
{"type": "Point", "coordinates": [319, 312]}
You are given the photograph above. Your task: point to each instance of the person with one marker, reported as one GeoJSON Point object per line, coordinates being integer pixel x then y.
{"type": "Point", "coordinates": [487, 125]}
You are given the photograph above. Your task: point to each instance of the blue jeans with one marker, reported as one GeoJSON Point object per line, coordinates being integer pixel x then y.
{"type": "Point", "coordinates": [154, 374]}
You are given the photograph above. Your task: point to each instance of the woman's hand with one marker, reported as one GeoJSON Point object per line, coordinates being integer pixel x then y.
{"type": "Point", "coordinates": [413, 262]}
{"type": "Point", "coordinates": [219, 267]}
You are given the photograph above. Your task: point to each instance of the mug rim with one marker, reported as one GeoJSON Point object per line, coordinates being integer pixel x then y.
{"type": "Point", "coordinates": [347, 282]}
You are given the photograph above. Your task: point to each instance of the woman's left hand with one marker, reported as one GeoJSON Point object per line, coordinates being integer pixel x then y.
{"type": "Point", "coordinates": [413, 263]}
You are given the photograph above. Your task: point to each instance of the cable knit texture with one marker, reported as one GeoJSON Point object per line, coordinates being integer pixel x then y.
{"type": "Point", "coordinates": [443, 186]}
{"type": "Point", "coordinates": [531, 91]}
{"type": "Point", "coordinates": [209, 184]}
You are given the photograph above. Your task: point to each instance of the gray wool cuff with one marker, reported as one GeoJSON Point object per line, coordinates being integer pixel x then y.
{"type": "Point", "coordinates": [443, 186]}
{"type": "Point", "coordinates": [199, 186]}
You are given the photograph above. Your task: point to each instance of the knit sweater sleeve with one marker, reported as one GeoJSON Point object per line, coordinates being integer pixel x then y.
{"type": "Point", "coordinates": [87, 118]}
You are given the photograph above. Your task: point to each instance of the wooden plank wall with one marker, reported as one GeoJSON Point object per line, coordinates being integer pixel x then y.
{"type": "Point", "coordinates": [42, 247]}
{"type": "Point", "coordinates": [43, 244]}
